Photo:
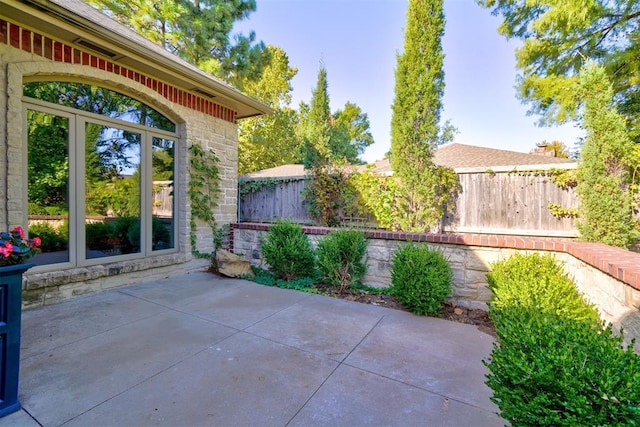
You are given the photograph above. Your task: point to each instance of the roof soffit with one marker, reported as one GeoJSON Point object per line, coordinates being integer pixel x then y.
{"type": "Point", "coordinates": [57, 19]}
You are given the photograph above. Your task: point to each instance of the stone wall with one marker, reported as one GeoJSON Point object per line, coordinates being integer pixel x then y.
{"type": "Point", "coordinates": [52, 287]}
{"type": "Point", "coordinates": [592, 266]}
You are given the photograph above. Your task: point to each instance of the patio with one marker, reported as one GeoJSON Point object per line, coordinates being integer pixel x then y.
{"type": "Point", "coordinates": [196, 350]}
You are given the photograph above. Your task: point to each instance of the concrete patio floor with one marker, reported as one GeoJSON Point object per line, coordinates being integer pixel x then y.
{"type": "Point", "coordinates": [199, 350]}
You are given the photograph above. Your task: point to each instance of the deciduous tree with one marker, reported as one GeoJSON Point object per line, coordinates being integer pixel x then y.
{"type": "Point", "coordinates": [353, 122]}
{"type": "Point", "coordinates": [558, 36]}
{"type": "Point", "coordinates": [269, 141]}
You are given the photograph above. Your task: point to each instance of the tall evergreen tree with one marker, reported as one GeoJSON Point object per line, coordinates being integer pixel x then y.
{"type": "Point", "coordinates": [604, 178]}
{"type": "Point", "coordinates": [198, 31]}
{"type": "Point", "coordinates": [316, 125]}
{"type": "Point", "coordinates": [425, 188]}
{"type": "Point", "coordinates": [327, 147]}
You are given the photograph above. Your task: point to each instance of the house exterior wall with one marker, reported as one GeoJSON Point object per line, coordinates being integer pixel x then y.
{"type": "Point", "coordinates": [199, 121]}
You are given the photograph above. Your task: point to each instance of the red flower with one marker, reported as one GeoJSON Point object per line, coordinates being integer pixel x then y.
{"type": "Point", "coordinates": [6, 249]}
{"type": "Point", "coordinates": [37, 241]}
{"type": "Point", "coordinates": [19, 230]}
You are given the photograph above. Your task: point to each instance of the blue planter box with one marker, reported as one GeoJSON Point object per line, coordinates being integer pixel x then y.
{"type": "Point", "coordinates": [10, 319]}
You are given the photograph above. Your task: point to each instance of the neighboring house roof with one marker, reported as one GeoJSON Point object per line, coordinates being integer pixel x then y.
{"type": "Point", "coordinates": [280, 172]}
{"type": "Point", "coordinates": [460, 157]}
{"type": "Point", "coordinates": [76, 23]}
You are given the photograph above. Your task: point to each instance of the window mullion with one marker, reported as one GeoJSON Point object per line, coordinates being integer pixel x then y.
{"type": "Point", "coordinates": [80, 200]}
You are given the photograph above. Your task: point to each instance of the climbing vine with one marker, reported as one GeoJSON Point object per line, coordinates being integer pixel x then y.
{"type": "Point", "coordinates": [563, 178]}
{"type": "Point", "coordinates": [560, 212]}
{"type": "Point", "coordinates": [253, 185]}
{"type": "Point", "coordinates": [204, 189]}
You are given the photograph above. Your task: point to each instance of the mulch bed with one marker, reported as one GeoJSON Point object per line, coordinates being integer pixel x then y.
{"type": "Point", "coordinates": [477, 317]}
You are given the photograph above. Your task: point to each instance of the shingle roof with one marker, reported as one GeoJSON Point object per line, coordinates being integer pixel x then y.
{"type": "Point", "coordinates": [470, 156]}
{"type": "Point", "coordinates": [279, 172]}
{"type": "Point", "coordinates": [460, 157]}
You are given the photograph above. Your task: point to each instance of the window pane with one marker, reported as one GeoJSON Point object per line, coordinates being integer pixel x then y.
{"type": "Point", "coordinates": [112, 195]}
{"type": "Point", "coordinates": [97, 100]}
{"type": "Point", "coordinates": [48, 185]}
{"type": "Point", "coordinates": [163, 206]}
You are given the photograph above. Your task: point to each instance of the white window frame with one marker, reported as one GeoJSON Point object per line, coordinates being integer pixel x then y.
{"type": "Point", "coordinates": [77, 214]}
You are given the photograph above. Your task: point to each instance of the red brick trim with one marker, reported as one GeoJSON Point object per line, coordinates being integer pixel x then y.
{"type": "Point", "coordinates": [619, 263]}
{"type": "Point", "coordinates": [40, 45]}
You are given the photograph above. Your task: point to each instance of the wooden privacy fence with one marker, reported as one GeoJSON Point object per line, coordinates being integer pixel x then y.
{"type": "Point", "coordinates": [489, 202]}
{"type": "Point", "coordinates": [511, 203]}
{"type": "Point", "coordinates": [271, 199]}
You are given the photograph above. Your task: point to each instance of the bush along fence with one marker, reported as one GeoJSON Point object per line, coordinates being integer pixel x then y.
{"type": "Point", "coordinates": [608, 277]}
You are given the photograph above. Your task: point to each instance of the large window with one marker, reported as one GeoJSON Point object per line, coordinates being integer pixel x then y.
{"type": "Point", "coordinates": [101, 170]}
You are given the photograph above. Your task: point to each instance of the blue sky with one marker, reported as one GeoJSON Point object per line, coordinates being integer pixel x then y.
{"type": "Point", "coordinates": [358, 40]}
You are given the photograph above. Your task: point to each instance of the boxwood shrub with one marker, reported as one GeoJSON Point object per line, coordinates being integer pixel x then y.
{"type": "Point", "coordinates": [536, 280]}
{"type": "Point", "coordinates": [340, 258]}
{"type": "Point", "coordinates": [553, 363]}
{"type": "Point", "coordinates": [420, 278]}
{"type": "Point", "coordinates": [288, 251]}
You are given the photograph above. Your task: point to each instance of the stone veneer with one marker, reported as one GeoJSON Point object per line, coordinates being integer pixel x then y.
{"type": "Point", "coordinates": [608, 277]}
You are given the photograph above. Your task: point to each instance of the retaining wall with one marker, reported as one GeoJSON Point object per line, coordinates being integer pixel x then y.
{"type": "Point", "coordinates": [608, 277]}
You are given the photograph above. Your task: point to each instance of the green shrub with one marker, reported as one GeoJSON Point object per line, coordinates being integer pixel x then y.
{"type": "Point", "coordinates": [549, 370]}
{"type": "Point", "coordinates": [99, 235]}
{"type": "Point", "coordinates": [538, 281]}
{"type": "Point", "coordinates": [420, 278]}
{"type": "Point", "coordinates": [52, 239]}
{"type": "Point", "coordinates": [288, 252]}
{"type": "Point", "coordinates": [264, 277]}
{"type": "Point", "coordinates": [340, 258]}
{"type": "Point", "coordinates": [553, 363]}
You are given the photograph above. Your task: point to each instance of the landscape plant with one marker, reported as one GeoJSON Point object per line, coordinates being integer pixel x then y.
{"type": "Point", "coordinates": [424, 190]}
{"type": "Point", "coordinates": [340, 258]}
{"type": "Point", "coordinates": [553, 363]}
{"type": "Point", "coordinates": [537, 281]}
{"type": "Point", "coordinates": [53, 239]}
{"type": "Point", "coordinates": [16, 247]}
{"type": "Point", "coordinates": [204, 190]}
{"type": "Point", "coordinates": [608, 170]}
{"type": "Point", "coordinates": [420, 278]}
{"type": "Point", "coordinates": [288, 251]}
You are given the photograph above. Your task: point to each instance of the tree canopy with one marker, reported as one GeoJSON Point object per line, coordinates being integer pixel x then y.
{"type": "Point", "coordinates": [558, 36]}
{"type": "Point", "coordinates": [354, 123]}
{"type": "Point", "coordinates": [198, 31]}
{"type": "Point", "coordinates": [339, 136]}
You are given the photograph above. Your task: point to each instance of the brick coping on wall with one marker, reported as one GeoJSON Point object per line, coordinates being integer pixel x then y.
{"type": "Point", "coordinates": [619, 263]}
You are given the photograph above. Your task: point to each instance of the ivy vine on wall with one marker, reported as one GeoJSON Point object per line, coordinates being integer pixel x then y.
{"type": "Point", "coordinates": [564, 179]}
{"type": "Point", "coordinates": [204, 190]}
{"type": "Point", "coordinates": [560, 212]}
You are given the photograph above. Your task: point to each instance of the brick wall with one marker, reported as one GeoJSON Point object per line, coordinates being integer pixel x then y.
{"type": "Point", "coordinates": [608, 277]}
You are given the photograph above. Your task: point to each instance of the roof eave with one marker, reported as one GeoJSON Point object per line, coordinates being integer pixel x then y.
{"type": "Point", "coordinates": [189, 75]}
